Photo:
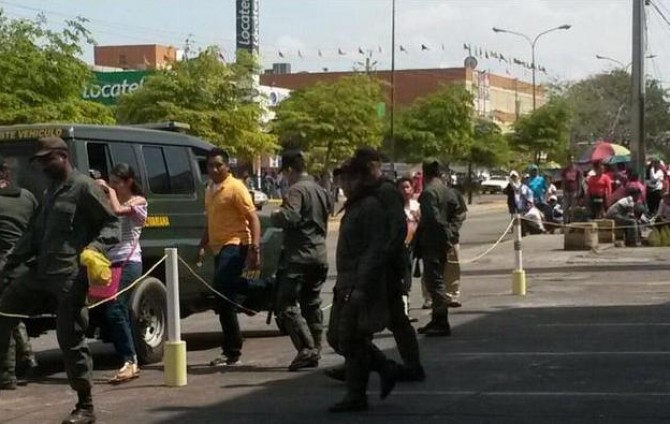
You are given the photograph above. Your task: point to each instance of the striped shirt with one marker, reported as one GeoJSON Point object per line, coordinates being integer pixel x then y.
{"type": "Point", "coordinates": [131, 230]}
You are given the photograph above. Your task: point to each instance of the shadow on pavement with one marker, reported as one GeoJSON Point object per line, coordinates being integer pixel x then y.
{"type": "Point", "coordinates": [605, 364]}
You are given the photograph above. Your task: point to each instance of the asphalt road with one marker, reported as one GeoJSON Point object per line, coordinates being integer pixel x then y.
{"type": "Point", "coordinates": [585, 346]}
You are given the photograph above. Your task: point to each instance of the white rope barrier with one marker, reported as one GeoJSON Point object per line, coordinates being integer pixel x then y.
{"type": "Point", "coordinates": [95, 305]}
{"type": "Point", "coordinates": [487, 251]}
{"type": "Point", "coordinates": [216, 292]}
{"type": "Point", "coordinates": [580, 224]}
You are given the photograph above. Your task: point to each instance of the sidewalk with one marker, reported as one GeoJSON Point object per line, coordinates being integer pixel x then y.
{"type": "Point", "coordinates": [584, 346]}
{"type": "Point", "coordinates": [545, 252]}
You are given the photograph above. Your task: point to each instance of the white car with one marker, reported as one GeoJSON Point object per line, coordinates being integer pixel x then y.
{"type": "Point", "coordinates": [260, 198]}
{"type": "Point", "coordinates": [494, 184]}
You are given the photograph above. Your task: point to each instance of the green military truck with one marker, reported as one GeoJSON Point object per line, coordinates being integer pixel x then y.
{"type": "Point", "coordinates": [172, 169]}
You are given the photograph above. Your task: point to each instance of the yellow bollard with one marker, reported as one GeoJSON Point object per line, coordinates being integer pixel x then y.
{"type": "Point", "coordinates": [174, 364]}
{"type": "Point", "coordinates": [519, 282]}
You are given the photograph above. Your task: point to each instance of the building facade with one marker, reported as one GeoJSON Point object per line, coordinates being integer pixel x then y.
{"type": "Point", "coordinates": [497, 97]}
{"type": "Point", "coordinates": [135, 57]}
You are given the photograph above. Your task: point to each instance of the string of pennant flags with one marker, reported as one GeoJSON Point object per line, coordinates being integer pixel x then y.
{"type": "Point", "coordinates": [475, 51]}
{"type": "Point", "coordinates": [492, 54]}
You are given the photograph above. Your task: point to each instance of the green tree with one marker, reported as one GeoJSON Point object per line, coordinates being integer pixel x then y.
{"type": "Point", "coordinates": [330, 120]}
{"type": "Point", "coordinates": [601, 108]}
{"type": "Point", "coordinates": [546, 130]}
{"type": "Point", "coordinates": [41, 74]}
{"type": "Point", "coordinates": [438, 125]}
{"type": "Point", "coordinates": [214, 98]}
{"type": "Point", "coordinates": [489, 148]}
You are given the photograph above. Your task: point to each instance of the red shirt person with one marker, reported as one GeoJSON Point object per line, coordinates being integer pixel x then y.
{"type": "Point", "coordinates": [599, 191]}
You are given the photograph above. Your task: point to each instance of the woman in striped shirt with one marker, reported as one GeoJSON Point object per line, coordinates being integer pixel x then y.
{"type": "Point", "coordinates": [127, 200]}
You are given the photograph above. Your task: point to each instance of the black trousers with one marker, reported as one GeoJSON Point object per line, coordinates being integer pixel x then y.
{"type": "Point", "coordinates": [403, 332]}
{"type": "Point", "coordinates": [27, 292]}
{"type": "Point", "coordinates": [299, 303]}
{"type": "Point", "coordinates": [347, 338]}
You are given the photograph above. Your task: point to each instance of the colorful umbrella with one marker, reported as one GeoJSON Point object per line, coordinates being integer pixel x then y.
{"type": "Point", "coordinates": [603, 152]}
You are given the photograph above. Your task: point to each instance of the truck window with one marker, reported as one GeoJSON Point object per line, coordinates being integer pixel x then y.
{"type": "Point", "coordinates": [180, 170]}
{"type": "Point", "coordinates": [24, 173]}
{"type": "Point", "coordinates": [156, 169]}
{"type": "Point", "coordinates": [125, 153]}
{"type": "Point", "coordinates": [99, 159]}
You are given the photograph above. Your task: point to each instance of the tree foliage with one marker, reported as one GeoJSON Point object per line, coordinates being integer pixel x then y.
{"type": "Point", "coordinates": [330, 120]}
{"type": "Point", "coordinates": [546, 130]}
{"type": "Point", "coordinates": [438, 125]}
{"type": "Point", "coordinates": [601, 108]}
{"type": "Point", "coordinates": [214, 98]}
{"type": "Point", "coordinates": [489, 148]}
{"type": "Point", "coordinates": [41, 74]}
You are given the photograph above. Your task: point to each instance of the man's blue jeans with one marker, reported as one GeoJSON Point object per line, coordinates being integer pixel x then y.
{"type": "Point", "coordinates": [229, 265]}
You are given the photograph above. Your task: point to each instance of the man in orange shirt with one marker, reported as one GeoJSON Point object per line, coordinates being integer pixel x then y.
{"type": "Point", "coordinates": [233, 235]}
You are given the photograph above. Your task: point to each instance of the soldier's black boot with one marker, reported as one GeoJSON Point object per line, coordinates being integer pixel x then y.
{"type": "Point", "coordinates": [388, 376]}
{"type": "Point", "coordinates": [80, 416]}
{"type": "Point", "coordinates": [306, 358]}
{"type": "Point", "coordinates": [422, 330]}
{"type": "Point", "coordinates": [350, 403]}
{"type": "Point", "coordinates": [411, 373]}
{"type": "Point", "coordinates": [440, 327]}
{"type": "Point", "coordinates": [83, 411]}
{"type": "Point", "coordinates": [357, 371]}
{"type": "Point", "coordinates": [337, 373]}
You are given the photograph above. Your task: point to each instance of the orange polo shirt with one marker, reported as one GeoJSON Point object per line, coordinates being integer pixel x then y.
{"type": "Point", "coordinates": [227, 205]}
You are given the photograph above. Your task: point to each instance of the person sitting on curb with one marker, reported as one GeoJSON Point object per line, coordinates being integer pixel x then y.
{"type": "Point", "coordinates": [623, 214]}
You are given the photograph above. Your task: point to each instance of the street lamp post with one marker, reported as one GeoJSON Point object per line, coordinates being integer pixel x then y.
{"type": "Point", "coordinates": [620, 63]}
{"type": "Point", "coordinates": [532, 43]}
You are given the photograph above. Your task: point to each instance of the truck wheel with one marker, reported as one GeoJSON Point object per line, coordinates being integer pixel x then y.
{"type": "Point", "coordinates": [149, 320]}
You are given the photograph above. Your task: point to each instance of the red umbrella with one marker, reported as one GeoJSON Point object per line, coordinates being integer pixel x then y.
{"type": "Point", "coordinates": [603, 151]}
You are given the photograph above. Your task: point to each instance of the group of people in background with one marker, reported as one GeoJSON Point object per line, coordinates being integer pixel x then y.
{"type": "Point", "coordinates": [603, 191]}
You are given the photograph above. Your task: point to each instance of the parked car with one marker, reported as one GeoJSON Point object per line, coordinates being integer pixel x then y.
{"type": "Point", "coordinates": [496, 183]}
{"type": "Point", "coordinates": [171, 167]}
{"type": "Point", "coordinates": [260, 198]}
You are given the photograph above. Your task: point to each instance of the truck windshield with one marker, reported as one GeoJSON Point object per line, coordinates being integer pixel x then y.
{"type": "Point", "coordinates": [23, 173]}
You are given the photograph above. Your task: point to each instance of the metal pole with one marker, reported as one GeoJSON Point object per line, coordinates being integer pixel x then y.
{"type": "Point", "coordinates": [638, 153]}
{"type": "Point", "coordinates": [532, 47]}
{"type": "Point", "coordinates": [518, 274]}
{"type": "Point", "coordinates": [174, 354]}
{"type": "Point", "coordinates": [393, 88]}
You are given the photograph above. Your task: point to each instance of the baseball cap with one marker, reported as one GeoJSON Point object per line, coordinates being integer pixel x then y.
{"type": "Point", "coordinates": [514, 174]}
{"type": "Point", "coordinates": [431, 166]}
{"type": "Point", "coordinates": [289, 158]}
{"type": "Point", "coordinates": [48, 145]}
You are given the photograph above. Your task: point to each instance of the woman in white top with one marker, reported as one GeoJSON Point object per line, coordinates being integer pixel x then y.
{"type": "Point", "coordinates": [413, 216]}
{"type": "Point", "coordinates": [655, 186]}
{"type": "Point", "coordinates": [129, 204]}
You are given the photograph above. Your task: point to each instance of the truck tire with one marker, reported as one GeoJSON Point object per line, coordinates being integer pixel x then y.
{"type": "Point", "coordinates": [149, 320]}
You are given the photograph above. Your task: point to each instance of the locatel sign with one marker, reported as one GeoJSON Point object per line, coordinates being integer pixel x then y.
{"type": "Point", "coordinates": [108, 86]}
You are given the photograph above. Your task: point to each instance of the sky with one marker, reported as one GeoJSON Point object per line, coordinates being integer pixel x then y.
{"type": "Point", "coordinates": [598, 27]}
